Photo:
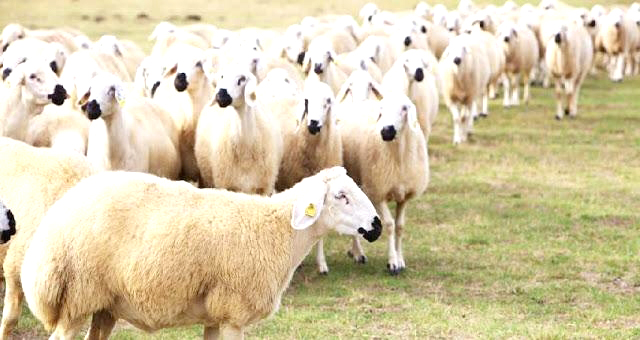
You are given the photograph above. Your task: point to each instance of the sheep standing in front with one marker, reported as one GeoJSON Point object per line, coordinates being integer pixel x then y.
{"type": "Point", "coordinates": [522, 55]}
{"type": "Point", "coordinates": [238, 146]}
{"type": "Point", "coordinates": [141, 135]}
{"type": "Point", "coordinates": [183, 268]}
{"type": "Point", "coordinates": [389, 159]}
{"type": "Point", "coordinates": [568, 58]}
{"type": "Point", "coordinates": [31, 180]}
{"type": "Point", "coordinates": [465, 74]}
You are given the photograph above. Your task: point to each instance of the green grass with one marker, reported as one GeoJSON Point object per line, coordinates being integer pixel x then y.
{"type": "Point", "coordinates": [529, 231]}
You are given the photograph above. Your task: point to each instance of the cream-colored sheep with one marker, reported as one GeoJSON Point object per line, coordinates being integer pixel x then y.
{"type": "Point", "coordinates": [464, 69]}
{"type": "Point", "coordinates": [359, 87]}
{"type": "Point", "coordinates": [388, 158]}
{"type": "Point", "coordinates": [321, 57]}
{"type": "Point", "coordinates": [568, 58]}
{"type": "Point", "coordinates": [126, 50]}
{"type": "Point", "coordinates": [415, 74]}
{"type": "Point", "coordinates": [521, 50]}
{"type": "Point", "coordinates": [14, 32]}
{"type": "Point", "coordinates": [31, 86]}
{"type": "Point", "coordinates": [379, 50]}
{"type": "Point", "coordinates": [183, 268]}
{"type": "Point", "coordinates": [238, 146]}
{"type": "Point", "coordinates": [142, 136]}
{"type": "Point", "coordinates": [437, 37]}
{"type": "Point", "coordinates": [59, 127]}
{"type": "Point", "coordinates": [357, 60]}
{"type": "Point", "coordinates": [53, 54]}
{"type": "Point", "coordinates": [7, 224]}
{"type": "Point", "coordinates": [166, 34]}
{"type": "Point", "coordinates": [620, 38]}
{"type": "Point", "coordinates": [31, 180]}
{"type": "Point", "coordinates": [148, 76]}
{"type": "Point", "coordinates": [453, 22]}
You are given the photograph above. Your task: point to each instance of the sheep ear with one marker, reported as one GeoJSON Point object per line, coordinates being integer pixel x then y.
{"type": "Point", "coordinates": [306, 64]}
{"type": "Point", "coordinates": [84, 99]}
{"type": "Point", "coordinates": [170, 71]}
{"type": "Point", "coordinates": [16, 78]}
{"type": "Point", "coordinates": [332, 56]}
{"type": "Point", "coordinates": [250, 91]}
{"type": "Point", "coordinates": [344, 91]}
{"type": "Point", "coordinates": [303, 110]}
{"type": "Point", "coordinates": [119, 94]}
{"type": "Point", "coordinates": [412, 117]}
{"type": "Point", "coordinates": [308, 207]}
{"type": "Point", "coordinates": [376, 89]}
{"type": "Point", "coordinates": [515, 33]}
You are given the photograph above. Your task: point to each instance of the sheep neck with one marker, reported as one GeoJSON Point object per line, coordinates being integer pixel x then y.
{"type": "Point", "coordinates": [400, 146]}
{"type": "Point", "coordinates": [248, 122]}
{"type": "Point", "coordinates": [18, 110]}
{"type": "Point", "coordinates": [119, 143]}
{"type": "Point", "coordinates": [201, 89]}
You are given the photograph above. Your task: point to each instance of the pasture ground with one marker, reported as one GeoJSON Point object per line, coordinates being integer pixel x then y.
{"type": "Point", "coordinates": [529, 231]}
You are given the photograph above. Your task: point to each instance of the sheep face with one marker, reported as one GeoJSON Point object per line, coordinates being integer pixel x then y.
{"type": "Point", "coordinates": [103, 98]}
{"type": "Point", "coordinates": [360, 84]}
{"type": "Point", "coordinates": [368, 11]}
{"type": "Point", "coordinates": [7, 224]}
{"type": "Point", "coordinates": [293, 45]}
{"type": "Point", "coordinates": [318, 105]}
{"type": "Point", "coordinates": [423, 10]}
{"type": "Point", "coordinates": [396, 112]}
{"type": "Point", "coordinates": [108, 44]}
{"type": "Point", "coordinates": [56, 55]}
{"type": "Point", "coordinates": [452, 22]}
{"type": "Point", "coordinates": [456, 53]}
{"type": "Point", "coordinates": [11, 33]}
{"type": "Point", "coordinates": [236, 87]}
{"type": "Point", "coordinates": [508, 35]}
{"type": "Point", "coordinates": [319, 56]}
{"type": "Point", "coordinates": [371, 47]}
{"type": "Point", "coordinates": [559, 36]}
{"type": "Point", "coordinates": [414, 64]}
{"type": "Point", "coordinates": [331, 199]}
{"type": "Point", "coordinates": [40, 85]}
{"type": "Point", "coordinates": [148, 76]}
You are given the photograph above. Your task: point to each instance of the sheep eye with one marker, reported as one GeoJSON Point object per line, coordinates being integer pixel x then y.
{"type": "Point", "coordinates": [32, 76]}
{"type": "Point", "coordinates": [199, 64]}
{"type": "Point", "coordinates": [341, 196]}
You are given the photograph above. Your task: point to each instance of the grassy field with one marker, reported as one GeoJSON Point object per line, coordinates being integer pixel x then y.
{"type": "Point", "coordinates": [529, 231]}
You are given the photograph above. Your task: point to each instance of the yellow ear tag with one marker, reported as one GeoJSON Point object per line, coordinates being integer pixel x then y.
{"type": "Point", "coordinates": [310, 211]}
{"type": "Point", "coordinates": [121, 102]}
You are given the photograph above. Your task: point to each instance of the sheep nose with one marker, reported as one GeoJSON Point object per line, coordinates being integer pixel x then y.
{"type": "Point", "coordinates": [506, 39]}
{"type": "Point", "coordinates": [58, 96]}
{"type": "Point", "coordinates": [592, 23]}
{"type": "Point", "coordinates": [54, 67]}
{"type": "Point", "coordinates": [6, 234]}
{"type": "Point", "coordinates": [5, 73]}
{"type": "Point", "coordinates": [407, 41]}
{"type": "Point", "coordinates": [558, 38]}
{"type": "Point", "coordinates": [482, 24]}
{"type": "Point", "coordinates": [223, 98]}
{"type": "Point", "coordinates": [374, 233]}
{"type": "Point", "coordinates": [181, 82]}
{"type": "Point", "coordinates": [318, 69]}
{"type": "Point", "coordinates": [154, 88]}
{"type": "Point", "coordinates": [370, 18]}
{"type": "Point", "coordinates": [314, 126]}
{"type": "Point", "coordinates": [300, 58]}
{"type": "Point", "coordinates": [451, 29]}
{"type": "Point", "coordinates": [93, 110]}
{"type": "Point", "coordinates": [388, 133]}
{"type": "Point", "coordinates": [423, 29]}
{"type": "Point", "coordinates": [419, 74]}
{"type": "Point", "coordinates": [457, 61]}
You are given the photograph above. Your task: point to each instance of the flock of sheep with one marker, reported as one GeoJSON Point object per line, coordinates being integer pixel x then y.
{"type": "Point", "coordinates": [107, 153]}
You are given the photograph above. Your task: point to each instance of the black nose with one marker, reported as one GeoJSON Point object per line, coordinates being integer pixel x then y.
{"type": "Point", "coordinates": [223, 98]}
{"type": "Point", "coordinates": [592, 23]}
{"type": "Point", "coordinates": [423, 29]}
{"type": "Point", "coordinates": [54, 67]}
{"type": "Point", "coordinates": [558, 38]}
{"type": "Point", "coordinates": [451, 29]}
{"type": "Point", "coordinates": [181, 82]}
{"type": "Point", "coordinates": [318, 69]}
{"type": "Point", "coordinates": [388, 133]}
{"type": "Point", "coordinates": [370, 18]}
{"type": "Point", "coordinates": [154, 88]}
{"type": "Point", "coordinates": [314, 127]}
{"type": "Point", "coordinates": [5, 73]}
{"type": "Point", "coordinates": [419, 74]}
{"type": "Point", "coordinates": [58, 96]}
{"type": "Point", "coordinates": [482, 24]}
{"type": "Point", "coordinates": [506, 39]}
{"type": "Point", "coordinates": [93, 110]}
{"type": "Point", "coordinates": [407, 41]}
{"type": "Point", "coordinates": [374, 233]}
{"type": "Point", "coordinates": [300, 58]}
{"type": "Point", "coordinates": [6, 234]}
{"type": "Point", "coordinates": [457, 60]}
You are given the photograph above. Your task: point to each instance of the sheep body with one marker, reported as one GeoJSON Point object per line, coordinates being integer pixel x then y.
{"type": "Point", "coordinates": [521, 50]}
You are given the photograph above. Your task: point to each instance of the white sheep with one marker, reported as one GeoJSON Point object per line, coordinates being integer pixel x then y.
{"type": "Point", "coordinates": [14, 32]}
{"type": "Point", "coordinates": [359, 87]}
{"type": "Point", "coordinates": [126, 50]}
{"type": "Point", "coordinates": [166, 34]}
{"type": "Point", "coordinates": [569, 57]}
{"type": "Point", "coordinates": [620, 38]}
{"type": "Point", "coordinates": [357, 60]}
{"type": "Point", "coordinates": [522, 54]}
{"type": "Point", "coordinates": [438, 37]}
{"type": "Point", "coordinates": [415, 74]}
{"type": "Point", "coordinates": [31, 86]}
{"type": "Point", "coordinates": [388, 157]}
{"type": "Point", "coordinates": [320, 60]}
{"type": "Point", "coordinates": [238, 146]}
{"type": "Point", "coordinates": [141, 135]}
{"type": "Point", "coordinates": [53, 54]}
{"type": "Point", "coordinates": [59, 127]}
{"type": "Point", "coordinates": [464, 69]}
{"type": "Point", "coordinates": [187, 259]}
{"type": "Point", "coordinates": [31, 180]}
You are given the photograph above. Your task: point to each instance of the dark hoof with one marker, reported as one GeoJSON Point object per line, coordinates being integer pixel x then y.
{"type": "Point", "coordinates": [484, 115]}
{"type": "Point", "coordinates": [393, 270]}
{"type": "Point", "coordinates": [361, 259]}
{"type": "Point", "coordinates": [566, 112]}
{"type": "Point", "coordinates": [323, 273]}
{"type": "Point", "coordinates": [558, 118]}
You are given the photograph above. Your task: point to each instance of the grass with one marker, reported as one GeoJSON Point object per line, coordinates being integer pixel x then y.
{"type": "Point", "coordinates": [529, 231]}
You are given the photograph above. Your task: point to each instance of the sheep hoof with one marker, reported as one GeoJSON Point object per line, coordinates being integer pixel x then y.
{"type": "Point", "coordinates": [324, 272]}
{"type": "Point", "coordinates": [558, 117]}
{"type": "Point", "coordinates": [484, 115]}
{"type": "Point", "coordinates": [393, 269]}
{"type": "Point", "coordinates": [361, 259]}
{"type": "Point", "coordinates": [566, 112]}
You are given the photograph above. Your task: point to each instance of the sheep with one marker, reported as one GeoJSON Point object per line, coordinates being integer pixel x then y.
{"type": "Point", "coordinates": [568, 58]}
{"type": "Point", "coordinates": [166, 34]}
{"type": "Point", "coordinates": [360, 86]}
{"type": "Point", "coordinates": [322, 56]}
{"type": "Point", "coordinates": [14, 32]}
{"type": "Point", "coordinates": [522, 54]}
{"type": "Point", "coordinates": [453, 22]}
{"type": "Point", "coordinates": [230, 292]}
{"type": "Point", "coordinates": [142, 136]}
{"type": "Point", "coordinates": [54, 54]}
{"type": "Point", "coordinates": [389, 160]}
{"type": "Point", "coordinates": [59, 127]}
{"type": "Point", "coordinates": [464, 69]}
{"type": "Point", "coordinates": [236, 146]}
{"type": "Point", "coordinates": [32, 85]}
{"type": "Point", "coordinates": [148, 76]}
{"type": "Point", "coordinates": [126, 50]}
{"type": "Point", "coordinates": [31, 180]}
{"type": "Point", "coordinates": [438, 38]}
{"type": "Point", "coordinates": [277, 85]}
{"type": "Point", "coordinates": [356, 61]}
{"type": "Point", "coordinates": [415, 74]}
{"type": "Point", "coordinates": [7, 224]}
{"type": "Point", "coordinates": [619, 36]}
{"type": "Point", "coordinates": [379, 50]}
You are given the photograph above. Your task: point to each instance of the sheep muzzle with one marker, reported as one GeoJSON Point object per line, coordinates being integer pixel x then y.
{"type": "Point", "coordinates": [181, 82]}
{"type": "Point", "coordinates": [93, 110]}
{"type": "Point", "coordinates": [314, 127]}
{"type": "Point", "coordinates": [374, 233]}
{"type": "Point", "coordinates": [388, 133]}
{"type": "Point", "coordinates": [5, 73]}
{"type": "Point", "coordinates": [223, 98]}
{"type": "Point", "coordinates": [419, 75]}
{"type": "Point", "coordinates": [59, 95]}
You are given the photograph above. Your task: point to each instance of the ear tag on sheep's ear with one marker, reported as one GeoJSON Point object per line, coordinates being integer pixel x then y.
{"type": "Point", "coordinates": [311, 210]}
{"type": "Point", "coordinates": [121, 102]}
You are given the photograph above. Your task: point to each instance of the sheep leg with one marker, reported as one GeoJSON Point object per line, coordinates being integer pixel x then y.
{"type": "Point", "coordinates": [102, 324]}
{"type": "Point", "coordinates": [356, 251]}
{"type": "Point", "coordinates": [526, 95]}
{"type": "Point", "coordinates": [515, 99]}
{"type": "Point", "coordinates": [619, 68]}
{"type": "Point", "coordinates": [389, 225]}
{"type": "Point", "coordinates": [230, 332]}
{"type": "Point", "coordinates": [67, 331]}
{"type": "Point", "coordinates": [628, 71]}
{"type": "Point", "coordinates": [400, 213]}
{"type": "Point", "coordinates": [472, 112]}
{"type": "Point", "coordinates": [492, 89]}
{"type": "Point", "coordinates": [211, 333]}
{"type": "Point", "coordinates": [320, 259]}
{"type": "Point", "coordinates": [457, 123]}
{"type": "Point", "coordinates": [559, 100]}
{"type": "Point", "coordinates": [12, 306]}
{"type": "Point", "coordinates": [573, 98]}
{"type": "Point", "coordinates": [485, 106]}
{"type": "Point", "coordinates": [506, 82]}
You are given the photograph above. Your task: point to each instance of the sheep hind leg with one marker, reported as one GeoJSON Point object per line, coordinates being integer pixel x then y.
{"type": "Point", "coordinates": [323, 268]}
{"type": "Point", "coordinates": [389, 224]}
{"type": "Point", "coordinates": [102, 324]}
{"type": "Point", "coordinates": [457, 123]}
{"type": "Point", "coordinates": [485, 106]}
{"type": "Point", "coordinates": [12, 306]}
{"type": "Point", "coordinates": [559, 99]}
{"type": "Point", "coordinates": [357, 252]}
{"type": "Point", "coordinates": [506, 82]}
{"type": "Point", "coordinates": [526, 94]}
{"type": "Point", "coordinates": [400, 213]}
{"type": "Point", "coordinates": [515, 99]}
